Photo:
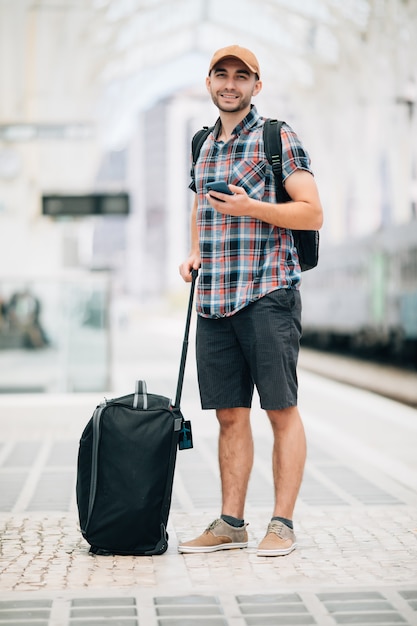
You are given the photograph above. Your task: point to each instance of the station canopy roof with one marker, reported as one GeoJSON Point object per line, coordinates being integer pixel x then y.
{"type": "Point", "coordinates": [117, 57]}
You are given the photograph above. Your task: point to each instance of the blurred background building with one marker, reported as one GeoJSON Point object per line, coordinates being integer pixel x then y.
{"type": "Point", "coordinates": [100, 98]}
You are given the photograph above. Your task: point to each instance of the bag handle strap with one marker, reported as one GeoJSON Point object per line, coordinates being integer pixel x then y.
{"type": "Point", "coordinates": [140, 399]}
{"type": "Point", "coordinates": [194, 274]}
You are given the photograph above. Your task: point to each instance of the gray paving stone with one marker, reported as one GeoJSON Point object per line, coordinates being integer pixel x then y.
{"type": "Point", "coordinates": [409, 595]}
{"type": "Point", "coordinates": [273, 620]}
{"type": "Point", "coordinates": [191, 621]}
{"type": "Point", "coordinates": [90, 602]}
{"type": "Point", "coordinates": [372, 618]}
{"type": "Point", "coordinates": [193, 600]}
{"type": "Point", "coordinates": [103, 612]}
{"type": "Point", "coordinates": [276, 609]}
{"type": "Point", "coordinates": [197, 611]}
{"type": "Point", "coordinates": [102, 621]}
{"type": "Point", "coordinates": [24, 622]}
{"type": "Point", "coordinates": [23, 614]}
{"type": "Point", "coordinates": [36, 603]}
{"type": "Point", "coordinates": [350, 596]}
{"type": "Point", "coordinates": [361, 606]}
{"type": "Point", "coordinates": [268, 598]}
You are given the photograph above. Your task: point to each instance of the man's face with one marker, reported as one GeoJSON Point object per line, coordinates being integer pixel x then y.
{"type": "Point", "coordinates": [232, 85]}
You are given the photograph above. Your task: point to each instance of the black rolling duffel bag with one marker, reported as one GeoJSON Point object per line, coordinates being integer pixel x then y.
{"type": "Point", "coordinates": [126, 463]}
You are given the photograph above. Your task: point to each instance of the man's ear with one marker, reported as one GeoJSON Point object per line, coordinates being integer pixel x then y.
{"type": "Point", "coordinates": [257, 87]}
{"type": "Point", "coordinates": [208, 83]}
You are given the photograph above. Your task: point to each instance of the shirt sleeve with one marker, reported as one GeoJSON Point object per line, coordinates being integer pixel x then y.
{"type": "Point", "coordinates": [294, 155]}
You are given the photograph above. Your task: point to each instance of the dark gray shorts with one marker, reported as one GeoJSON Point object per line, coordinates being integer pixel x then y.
{"type": "Point", "coordinates": [258, 346]}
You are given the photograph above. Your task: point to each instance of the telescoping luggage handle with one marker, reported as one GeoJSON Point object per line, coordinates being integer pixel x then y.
{"type": "Point", "coordinates": [194, 274]}
{"type": "Point", "coordinates": [140, 398]}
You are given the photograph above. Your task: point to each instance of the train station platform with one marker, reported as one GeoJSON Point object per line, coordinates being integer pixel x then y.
{"type": "Point", "coordinates": [355, 520]}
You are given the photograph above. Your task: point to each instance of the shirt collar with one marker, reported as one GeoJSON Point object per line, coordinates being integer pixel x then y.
{"type": "Point", "coordinates": [247, 123]}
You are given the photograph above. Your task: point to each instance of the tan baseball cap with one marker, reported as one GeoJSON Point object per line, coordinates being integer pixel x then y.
{"type": "Point", "coordinates": [243, 54]}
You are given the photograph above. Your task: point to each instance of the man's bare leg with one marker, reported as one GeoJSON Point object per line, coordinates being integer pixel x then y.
{"type": "Point", "coordinates": [235, 458]}
{"type": "Point", "coordinates": [288, 459]}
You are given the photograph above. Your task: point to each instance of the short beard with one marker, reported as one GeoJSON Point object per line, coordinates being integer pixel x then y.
{"type": "Point", "coordinates": [243, 104]}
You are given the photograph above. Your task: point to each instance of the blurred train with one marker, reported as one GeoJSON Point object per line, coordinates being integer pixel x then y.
{"type": "Point", "coordinates": [362, 297]}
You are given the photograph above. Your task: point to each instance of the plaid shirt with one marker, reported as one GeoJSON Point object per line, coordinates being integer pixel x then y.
{"type": "Point", "coordinates": [243, 259]}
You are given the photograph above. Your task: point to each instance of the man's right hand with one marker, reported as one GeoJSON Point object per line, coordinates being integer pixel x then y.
{"type": "Point", "coordinates": [185, 268]}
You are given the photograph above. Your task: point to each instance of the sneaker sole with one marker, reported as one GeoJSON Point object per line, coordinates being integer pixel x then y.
{"type": "Point", "coordinates": [200, 549]}
{"type": "Point", "coordinates": [276, 552]}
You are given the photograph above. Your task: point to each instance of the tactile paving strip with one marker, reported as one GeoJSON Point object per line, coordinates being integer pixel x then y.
{"type": "Point", "coordinates": [46, 474]}
{"type": "Point", "coordinates": [178, 610]}
{"type": "Point", "coordinates": [362, 608]}
{"type": "Point", "coordinates": [274, 609]}
{"type": "Point", "coordinates": [97, 611]}
{"type": "Point", "coordinates": [25, 612]}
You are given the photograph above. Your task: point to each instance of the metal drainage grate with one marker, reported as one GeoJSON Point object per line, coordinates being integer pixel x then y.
{"type": "Point", "coordinates": [269, 610]}
{"type": "Point", "coordinates": [189, 610]}
{"type": "Point", "coordinates": [22, 612]}
{"type": "Point", "coordinates": [100, 611]}
{"type": "Point", "coordinates": [361, 608]}
{"type": "Point", "coordinates": [368, 607]}
{"type": "Point", "coordinates": [411, 597]}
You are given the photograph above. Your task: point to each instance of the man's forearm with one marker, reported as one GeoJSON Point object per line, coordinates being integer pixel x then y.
{"type": "Point", "coordinates": [195, 246]}
{"type": "Point", "coordinates": [297, 215]}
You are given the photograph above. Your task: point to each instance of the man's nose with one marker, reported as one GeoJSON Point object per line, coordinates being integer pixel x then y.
{"type": "Point", "coordinates": [230, 83]}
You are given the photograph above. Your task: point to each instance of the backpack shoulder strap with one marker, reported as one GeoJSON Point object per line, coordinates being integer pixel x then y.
{"type": "Point", "coordinates": [198, 140]}
{"type": "Point", "coordinates": [273, 152]}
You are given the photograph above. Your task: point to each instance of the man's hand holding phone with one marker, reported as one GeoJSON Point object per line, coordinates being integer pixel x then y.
{"type": "Point", "coordinates": [234, 202]}
{"type": "Point", "coordinates": [218, 186]}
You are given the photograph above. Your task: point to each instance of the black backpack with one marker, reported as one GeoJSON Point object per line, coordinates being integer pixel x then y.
{"type": "Point", "coordinates": [306, 241]}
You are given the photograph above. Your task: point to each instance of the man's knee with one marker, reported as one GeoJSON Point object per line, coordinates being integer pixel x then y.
{"type": "Point", "coordinates": [283, 418]}
{"type": "Point", "coordinates": [233, 416]}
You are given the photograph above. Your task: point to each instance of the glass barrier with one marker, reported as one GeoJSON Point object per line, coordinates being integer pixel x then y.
{"type": "Point", "coordinates": [55, 333]}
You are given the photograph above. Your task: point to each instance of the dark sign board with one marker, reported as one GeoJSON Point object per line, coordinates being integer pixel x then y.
{"type": "Point", "coordinates": [57, 205]}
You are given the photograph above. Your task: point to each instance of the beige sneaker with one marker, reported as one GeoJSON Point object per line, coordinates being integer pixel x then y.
{"type": "Point", "coordinates": [218, 536]}
{"type": "Point", "coordinates": [278, 541]}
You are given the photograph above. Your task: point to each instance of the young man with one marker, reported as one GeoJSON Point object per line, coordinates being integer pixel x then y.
{"type": "Point", "coordinates": [248, 300]}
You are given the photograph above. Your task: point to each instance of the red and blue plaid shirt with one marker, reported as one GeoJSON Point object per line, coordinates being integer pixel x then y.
{"type": "Point", "coordinates": [243, 259]}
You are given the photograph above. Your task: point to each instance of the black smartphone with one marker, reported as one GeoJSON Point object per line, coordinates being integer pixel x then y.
{"type": "Point", "coordinates": [220, 186]}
